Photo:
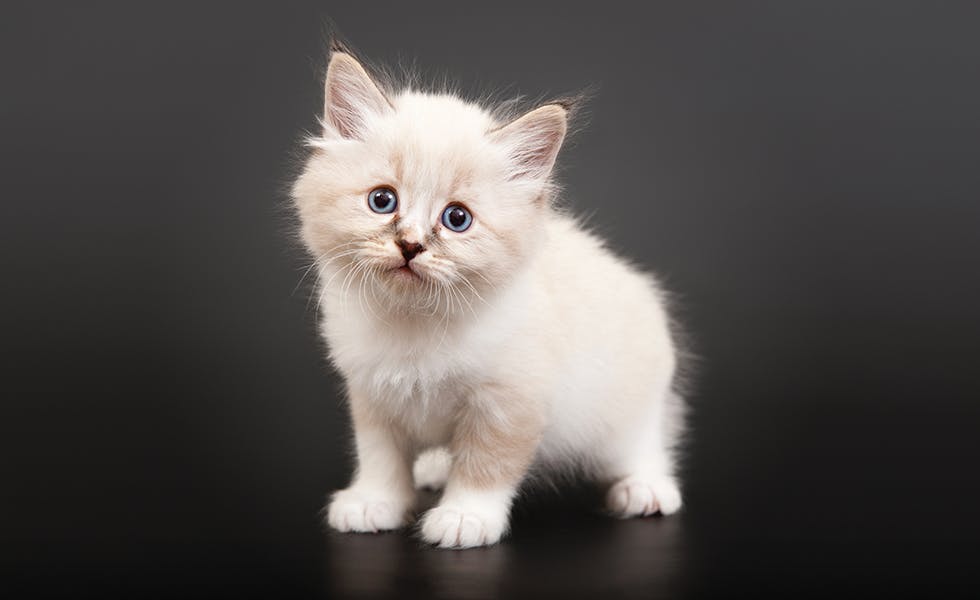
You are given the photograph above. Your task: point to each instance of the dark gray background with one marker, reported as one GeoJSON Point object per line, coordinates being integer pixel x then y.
{"type": "Point", "coordinates": [803, 175]}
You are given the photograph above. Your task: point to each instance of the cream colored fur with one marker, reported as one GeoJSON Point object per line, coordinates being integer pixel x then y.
{"type": "Point", "coordinates": [521, 342]}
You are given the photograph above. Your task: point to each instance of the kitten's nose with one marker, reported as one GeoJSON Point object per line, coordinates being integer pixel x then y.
{"type": "Point", "coordinates": [409, 249]}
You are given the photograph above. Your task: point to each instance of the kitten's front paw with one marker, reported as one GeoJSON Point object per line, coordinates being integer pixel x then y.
{"type": "Point", "coordinates": [351, 510]}
{"type": "Point", "coordinates": [634, 497]}
{"type": "Point", "coordinates": [453, 527]}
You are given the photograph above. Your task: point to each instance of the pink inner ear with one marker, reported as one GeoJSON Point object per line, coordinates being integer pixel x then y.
{"type": "Point", "coordinates": [351, 97]}
{"type": "Point", "coordinates": [533, 141]}
{"type": "Point", "coordinates": [539, 153]}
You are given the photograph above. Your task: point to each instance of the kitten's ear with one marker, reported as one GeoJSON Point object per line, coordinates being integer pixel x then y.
{"type": "Point", "coordinates": [533, 140]}
{"type": "Point", "coordinates": [351, 97]}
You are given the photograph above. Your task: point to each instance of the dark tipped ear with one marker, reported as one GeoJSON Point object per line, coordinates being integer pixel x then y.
{"type": "Point", "coordinates": [533, 140]}
{"type": "Point", "coordinates": [351, 97]}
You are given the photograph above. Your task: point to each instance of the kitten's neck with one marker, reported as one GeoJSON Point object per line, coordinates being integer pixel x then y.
{"type": "Point", "coordinates": [441, 309]}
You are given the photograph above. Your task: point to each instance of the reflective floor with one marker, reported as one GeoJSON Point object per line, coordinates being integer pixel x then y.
{"type": "Point", "coordinates": [555, 550]}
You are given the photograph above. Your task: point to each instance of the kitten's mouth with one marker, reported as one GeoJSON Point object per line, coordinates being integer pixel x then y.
{"type": "Point", "coordinates": [406, 271]}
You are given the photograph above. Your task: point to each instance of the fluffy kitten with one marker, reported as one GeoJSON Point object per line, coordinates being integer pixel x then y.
{"type": "Point", "coordinates": [467, 314]}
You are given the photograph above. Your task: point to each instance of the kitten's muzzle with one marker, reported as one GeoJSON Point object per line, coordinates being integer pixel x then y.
{"type": "Point", "coordinates": [410, 249]}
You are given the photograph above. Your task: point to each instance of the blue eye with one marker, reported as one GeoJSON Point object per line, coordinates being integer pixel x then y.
{"type": "Point", "coordinates": [382, 200]}
{"type": "Point", "coordinates": [456, 218]}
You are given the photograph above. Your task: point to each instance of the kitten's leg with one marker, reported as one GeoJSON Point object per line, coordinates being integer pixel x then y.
{"type": "Point", "coordinates": [431, 469]}
{"type": "Point", "coordinates": [381, 495]}
{"type": "Point", "coordinates": [492, 447]}
{"type": "Point", "coordinates": [641, 465]}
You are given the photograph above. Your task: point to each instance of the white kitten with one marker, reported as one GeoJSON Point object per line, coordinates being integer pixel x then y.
{"type": "Point", "coordinates": [466, 313]}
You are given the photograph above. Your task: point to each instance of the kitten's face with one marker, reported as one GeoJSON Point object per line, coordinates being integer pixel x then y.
{"type": "Point", "coordinates": [423, 198]}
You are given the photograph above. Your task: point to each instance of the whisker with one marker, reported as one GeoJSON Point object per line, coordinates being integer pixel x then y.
{"type": "Point", "coordinates": [462, 298]}
{"type": "Point", "coordinates": [320, 264]}
{"type": "Point", "coordinates": [481, 276]}
{"type": "Point", "coordinates": [348, 281]}
{"type": "Point", "coordinates": [445, 318]}
{"type": "Point", "coordinates": [473, 289]}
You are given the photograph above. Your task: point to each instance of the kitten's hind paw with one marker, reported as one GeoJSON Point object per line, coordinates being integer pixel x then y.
{"type": "Point", "coordinates": [634, 497]}
{"type": "Point", "coordinates": [354, 511]}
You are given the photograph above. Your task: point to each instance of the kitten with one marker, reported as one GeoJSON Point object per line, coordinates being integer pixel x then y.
{"type": "Point", "coordinates": [468, 315]}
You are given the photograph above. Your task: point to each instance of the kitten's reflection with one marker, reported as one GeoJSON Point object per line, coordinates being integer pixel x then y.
{"type": "Point", "coordinates": [474, 573]}
{"type": "Point", "coordinates": [397, 564]}
{"type": "Point", "coordinates": [366, 565]}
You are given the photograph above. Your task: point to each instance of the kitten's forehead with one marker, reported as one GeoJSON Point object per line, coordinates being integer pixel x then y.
{"type": "Point", "coordinates": [436, 143]}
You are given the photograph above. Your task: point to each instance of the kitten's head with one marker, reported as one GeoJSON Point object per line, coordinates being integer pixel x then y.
{"type": "Point", "coordinates": [423, 196]}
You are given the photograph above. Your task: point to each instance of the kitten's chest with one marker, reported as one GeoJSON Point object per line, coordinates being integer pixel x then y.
{"type": "Point", "coordinates": [419, 392]}
{"type": "Point", "coordinates": [405, 374]}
